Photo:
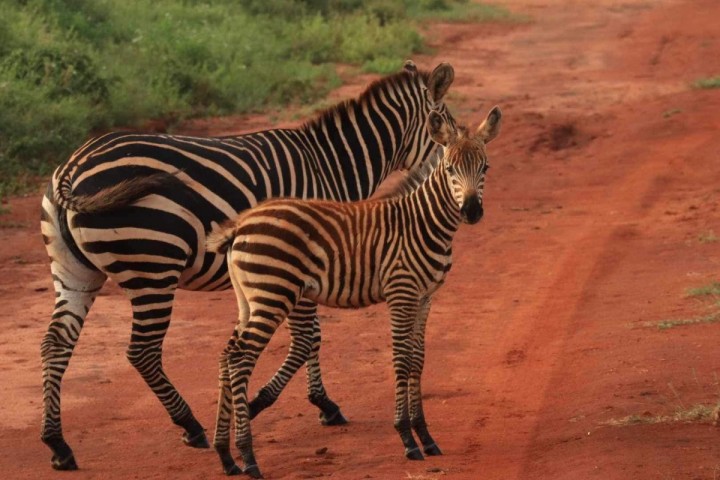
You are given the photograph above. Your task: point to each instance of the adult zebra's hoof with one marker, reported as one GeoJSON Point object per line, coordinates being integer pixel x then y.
{"type": "Point", "coordinates": [253, 471]}
{"type": "Point", "coordinates": [414, 454]}
{"type": "Point", "coordinates": [67, 463]}
{"type": "Point", "coordinates": [333, 419]}
{"type": "Point", "coordinates": [232, 470]}
{"type": "Point", "coordinates": [198, 441]}
{"type": "Point", "coordinates": [432, 450]}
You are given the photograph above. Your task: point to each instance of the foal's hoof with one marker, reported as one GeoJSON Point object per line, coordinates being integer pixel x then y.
{"type": "Point", "coordinates": [432, 450]}
{"type": "Point", "coordinates": [332, 419]}
{"type": "Point", "coordinates": [67, 463]}
{"type": "Point", "coordinates": [252, 471]}
{"type": "Point", "coordinates": [232, 470]}
{"type": "Point", "coordinates": [414, 454]}
{"type": "Point", "coordinates": [198, 441]}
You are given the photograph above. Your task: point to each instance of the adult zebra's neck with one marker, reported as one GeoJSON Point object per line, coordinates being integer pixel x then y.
{"type": "Point", "coordinates": [358, 143]}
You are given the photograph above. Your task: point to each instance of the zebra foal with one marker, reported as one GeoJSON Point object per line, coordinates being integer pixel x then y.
{"type": "Point", "coordinates": [396, 250]}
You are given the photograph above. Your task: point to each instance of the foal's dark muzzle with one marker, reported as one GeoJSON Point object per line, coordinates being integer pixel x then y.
{"type": "Point", "coordinates": [471, 211]}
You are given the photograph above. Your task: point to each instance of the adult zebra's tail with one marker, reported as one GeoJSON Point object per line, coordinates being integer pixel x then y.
{"type": "Point", "coordinates": [114, 197]}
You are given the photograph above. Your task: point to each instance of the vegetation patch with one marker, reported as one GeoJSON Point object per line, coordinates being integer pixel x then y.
{"type": "Point", "coordinates": [707, 83]}
{"type": "Point", "coordinates": [680, 322]}
{"type": "Point", "coordinates": [699, 413]}
{"type": "Point", "coordinates": [708, 237]}
{"type": "Point", "coordinates": [711, 289]}
{"type": "Point", "coordinates": [73, 68]}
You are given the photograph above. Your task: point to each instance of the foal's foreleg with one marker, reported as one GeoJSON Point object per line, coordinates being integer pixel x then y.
{"type": "Point", "coordinates": [403, 311]}
{"type": "Point", "coordinates": [417, 416]}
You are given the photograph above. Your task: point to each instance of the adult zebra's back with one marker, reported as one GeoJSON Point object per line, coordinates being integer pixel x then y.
{"type": "Point", "coordinates": [113, 211]}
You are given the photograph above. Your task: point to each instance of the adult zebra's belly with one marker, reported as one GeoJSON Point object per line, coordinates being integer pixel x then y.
{"type": "Point", "coordinates": [152, 244]}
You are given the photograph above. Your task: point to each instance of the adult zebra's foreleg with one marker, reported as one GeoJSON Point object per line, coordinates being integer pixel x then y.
{"type": "Point", "coordinates": [76, 286]}
{"type": "Point", "coordinates": [152, 308]}
{"type": "Point", "coordinates": [304, 349]}
{"type": "Point", "coordinates": [417, 416]}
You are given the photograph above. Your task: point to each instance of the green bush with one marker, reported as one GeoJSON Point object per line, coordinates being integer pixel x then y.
{"type": "Point", "coordinates": [70, 68]}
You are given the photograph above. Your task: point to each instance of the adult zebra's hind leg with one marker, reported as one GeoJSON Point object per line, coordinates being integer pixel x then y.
{"type": "Point", "coordinates": [76, 286]}
{"type": "Point", "coordinates": [417, 416]}
{"type": "Point", "coordinates": [152, 307]}
{"type": "Point", "coordinates": [304, 348]}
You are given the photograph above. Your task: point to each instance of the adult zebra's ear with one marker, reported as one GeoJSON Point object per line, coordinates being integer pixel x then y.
{"type": "Point", "coordinates": [440, 80]}
{"type": "Point", "coordinates": [439, 129]}
{"type": "Point", "coordinates": [490, 128]}
{"type": "Point", "coordinates": [410, 66]}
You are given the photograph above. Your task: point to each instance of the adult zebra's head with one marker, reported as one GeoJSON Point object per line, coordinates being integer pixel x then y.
{"type": "Point", "coordinates": [464, 160]}
{"type": "Point", "coordinates": [426, 95]}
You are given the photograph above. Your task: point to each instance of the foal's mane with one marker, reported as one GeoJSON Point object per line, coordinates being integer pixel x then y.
{"type": "Point", "coordinates": [420, 173]}
{"type": "Point", "coordinates": [415, 177]}
{"type": "Point", "coordinates": [381, 84]}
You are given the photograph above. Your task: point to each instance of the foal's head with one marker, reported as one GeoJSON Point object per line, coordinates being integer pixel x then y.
{"type": "Point", "coordinates": [465, 161]}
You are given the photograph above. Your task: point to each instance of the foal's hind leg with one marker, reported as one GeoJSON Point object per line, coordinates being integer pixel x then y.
{"type": "Point", "coordinates": [221, 440]}
{"type": "Point", "coordinates": [330, 413]}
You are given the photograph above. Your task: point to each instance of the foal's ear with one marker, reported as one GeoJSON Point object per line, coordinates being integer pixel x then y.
{"type": "Point", "coordinates": [440, 80]}
{"type": "Point", "coordinates": [409, 66]}
{"type": "Point", "coordinates": [490, 128]}
{"type": "Point", "coordinates": [439, 129]}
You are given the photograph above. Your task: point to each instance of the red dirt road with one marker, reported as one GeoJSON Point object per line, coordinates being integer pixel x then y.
{"type": "Point", "coordinates": [602, 206]}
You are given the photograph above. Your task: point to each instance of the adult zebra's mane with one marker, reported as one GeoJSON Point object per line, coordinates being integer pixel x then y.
{"type": "Point", "coordinates": [414, 177]}
{"type": "Point", "coordinates": [381, 84]}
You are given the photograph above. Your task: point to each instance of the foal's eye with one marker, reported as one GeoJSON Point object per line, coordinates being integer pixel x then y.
{"type": "Point", "coordinates": [485, 169]}
{"type": "Point", "coordinates": [450, 169]}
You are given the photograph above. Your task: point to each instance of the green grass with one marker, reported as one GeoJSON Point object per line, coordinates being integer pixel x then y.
{"type": "Point", "coordinates": [708, 237]}
{"type": "Point", "coordinates": [73, 68]}
{"type": "Point", "coordinates": [668, 324]}
{"type": "Point", "coordinates": [461, 11]}
{"type": "Point", "coordinates": [711, 289]}
{"type": "Point", "coordinates": [699, 413]}
{"type": "Point", "coordinates": [707, 83]}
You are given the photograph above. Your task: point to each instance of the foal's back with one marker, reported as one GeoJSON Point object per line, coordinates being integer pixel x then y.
{"type": "Point", "coordinates": [329, 252]}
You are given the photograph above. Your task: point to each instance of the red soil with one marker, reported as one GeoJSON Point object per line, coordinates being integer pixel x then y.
{"type": "Point", "coordinates": [604, 188]}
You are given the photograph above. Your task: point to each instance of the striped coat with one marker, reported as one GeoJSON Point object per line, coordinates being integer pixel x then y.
{"type": "Point", "coordinates": [395, 250]}
{"type": "Point", "coordinates": [136, 208]}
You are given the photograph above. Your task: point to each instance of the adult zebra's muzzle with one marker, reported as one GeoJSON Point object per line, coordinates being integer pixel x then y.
{"type": "Point", "coordinates": [471, 211]}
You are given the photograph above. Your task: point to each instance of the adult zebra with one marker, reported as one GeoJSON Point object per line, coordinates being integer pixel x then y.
{"type": "Point", "coordinates": [153, 241]}
{"type": "Point", "coordinates": [397, 250]}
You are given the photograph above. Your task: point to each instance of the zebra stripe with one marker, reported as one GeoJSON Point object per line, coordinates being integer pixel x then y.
{"type": "Point", "coordinates": [350, 255]}
{"type": "Point", "coordinates": [136, 208]}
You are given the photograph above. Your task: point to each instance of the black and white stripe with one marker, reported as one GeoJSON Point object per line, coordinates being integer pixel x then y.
{"type": "Point", "coordinates": [136, 208]}
{"type": "Point", "coordinates": [395, 250]}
